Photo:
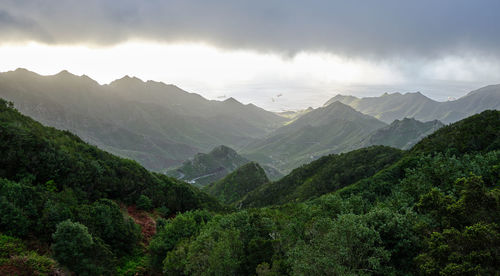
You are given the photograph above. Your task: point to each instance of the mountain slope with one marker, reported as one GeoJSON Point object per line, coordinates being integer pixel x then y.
{"type": "Point", "coordinates": [475, 134]}
{"type": "Point", "coordinates": [205, 168]}
{"type": "Point", "coordinates": [60, 197]}
{"type": "Point", "coordinates": [330, 129]}
{"type": "Point", "coordinates": [38, 154]}
{"type": "Point", "coordinates": [238, 183]}
{"type": "Point", "coordinates": [430, 213]}
{"type": "Point", "coordinates": [156, 124]}
{"type": "Point", "coordinates": [322, 176]}
{"type": "Point", "coordinates": [390, 107]}
{"type": "Point", "coordinates": [401, 134]}
{"type": "Point", "coordinates": [478, 133]}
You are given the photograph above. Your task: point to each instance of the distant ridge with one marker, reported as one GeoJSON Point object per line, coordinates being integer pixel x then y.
{"type": "Point", "coordinates": [206, 168]}
{"type": "Point", "coordinates": [157, 124]}
{"type": "Point", "coordinates": [397, 106]}
{"type": "Point", "coordinates": [329, 129]}
{"type": "Point", "coordinates": [401, 134]}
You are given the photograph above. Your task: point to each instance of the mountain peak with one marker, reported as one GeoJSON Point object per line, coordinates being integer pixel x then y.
{"type": "Point", "coordinates": [22, 72]}
{"type": "Point", "coordinates": [231, 100]}
{"type": "Point", "coordinates": [238, 183]}
{"type": "Point", "coordinates": [64, 72]}
{"type": "Point", "coordinates": [341, 98]}
{"type": "Point", "coordinates": [223, 150]}
{"type": "Point", "coordinates": [338, 105]}
{"type": "Point", "coordinates": [126, 80]}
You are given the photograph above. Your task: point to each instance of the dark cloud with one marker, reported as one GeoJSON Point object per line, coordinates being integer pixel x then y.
{"type": "Point", "coordinates": [13, 28]}
{"type": "Point", "coordinates": [374, 28]}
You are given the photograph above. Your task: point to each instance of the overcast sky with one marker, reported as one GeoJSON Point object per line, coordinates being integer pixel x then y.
{"type": "Point", "coordinates": [305, 51]}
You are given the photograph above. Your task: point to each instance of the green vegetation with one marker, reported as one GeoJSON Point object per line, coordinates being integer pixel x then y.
{"type": "Point", "coordinates": [57, 190]}
{"type": "Point", "coordinates": [432, 210]}
{"type": "Point", "coordinates": [327, 174]}
{"type": "Point", "coordinates": [330, 129]}
{"type": "Point", "coordinates": [206, 168]}
{"type": "Point", "coordinates": [40, 157]}
{"type": "Point", "coordinates": [238, 183]}
{"type": "Point", "coordinates": [479, 133]}
{"type": "Point", "coordinates": [430, 213]}
{"type": "Point", "coordinates": [16, 259]}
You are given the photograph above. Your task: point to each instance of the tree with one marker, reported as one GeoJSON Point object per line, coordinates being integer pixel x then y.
{"type": "Point", "coordinates": [346, 246]}
{"type": "Point", "coordinates": [105, 220]}
{"type": "Point", "coordinates": [73, 247]}
{"type": "Point", "coordinates": [144, 203]}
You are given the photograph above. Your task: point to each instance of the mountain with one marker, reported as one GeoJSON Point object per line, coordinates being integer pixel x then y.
{"type": "Point", "coordinates": [292, 115]}
{"type": "Point", "coordinates": [433, 211]}
{"type": "Point", "coordinates": [323, 176]}
{"type": "Point", "coordinates": [72, 199]}
{"type": "Point", "coordinates": [158, 125]}
{"type": "Point", "coordinates": [237, 184]}
{"type": "Point", "coordinates": [401, 134]}
{"type": "Point", "coordinates": [397, 106]}
{"type": "Point", "coordinates": [478, 133]}
{"type": "Point", "coordinates": [68, 207]}
{"type": "Point", "coordinates": [329, 129]}
{"type": "Point", "coordinates": [33, 153]}
{"type": "Point", "coordinates": [205, 168]}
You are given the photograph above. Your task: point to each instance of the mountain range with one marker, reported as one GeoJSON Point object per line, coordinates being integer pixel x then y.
{"type": "Point", "coordinates": [69, 207]}
{"type": "Point", "coordinates": [162, 126]}
{"type": "Point", "coordinates": [158, 125]}
{"type": "Point", "coordinates": [397, 106]}
{"type": "Point", "coordinates": [329, 129]}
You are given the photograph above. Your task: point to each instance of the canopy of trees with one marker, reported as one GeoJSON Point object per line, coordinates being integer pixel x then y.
{"type": "Point", "coordinates": [433, 210]}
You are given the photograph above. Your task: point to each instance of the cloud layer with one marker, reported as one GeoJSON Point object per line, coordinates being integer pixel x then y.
{"type": "Point", "coordinates": [425, 28]}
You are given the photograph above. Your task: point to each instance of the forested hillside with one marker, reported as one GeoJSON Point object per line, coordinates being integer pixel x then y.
{"type": "Point", "coordinates": [327, 174]}
{"type": "Point", "coordinates": [68, 199]}
{"type": "Point", "coordinates": [237, 184]}
{"type": "Point", "coordinates": [206, 168]}
{"type": "Point", "coordinates": [433, 210]}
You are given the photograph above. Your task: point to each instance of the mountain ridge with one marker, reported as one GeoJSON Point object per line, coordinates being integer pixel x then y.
{"type": "Point", "coordinates": [394, 106]}
{"type": "Point", "coordinates": [238, 183]}
{"type": "Point", "coordinates": [401, 134]}
{"type": "Point", "coordinates": [157, 124]}
{"type": "Point", "coordinates": [330, 129]}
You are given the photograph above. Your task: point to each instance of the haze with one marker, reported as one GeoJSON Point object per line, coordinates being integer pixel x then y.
{"type": "Point", "coordinates": [280, 56]}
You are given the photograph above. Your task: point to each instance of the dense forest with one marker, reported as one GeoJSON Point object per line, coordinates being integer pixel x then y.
{"type": "Point", "coordinates": [431, 210]}
{"type": "Point", "coordinates": [64, 198]}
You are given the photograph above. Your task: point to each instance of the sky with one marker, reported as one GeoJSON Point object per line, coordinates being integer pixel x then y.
{"type": "Point", "coordinates": [280, 55]}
